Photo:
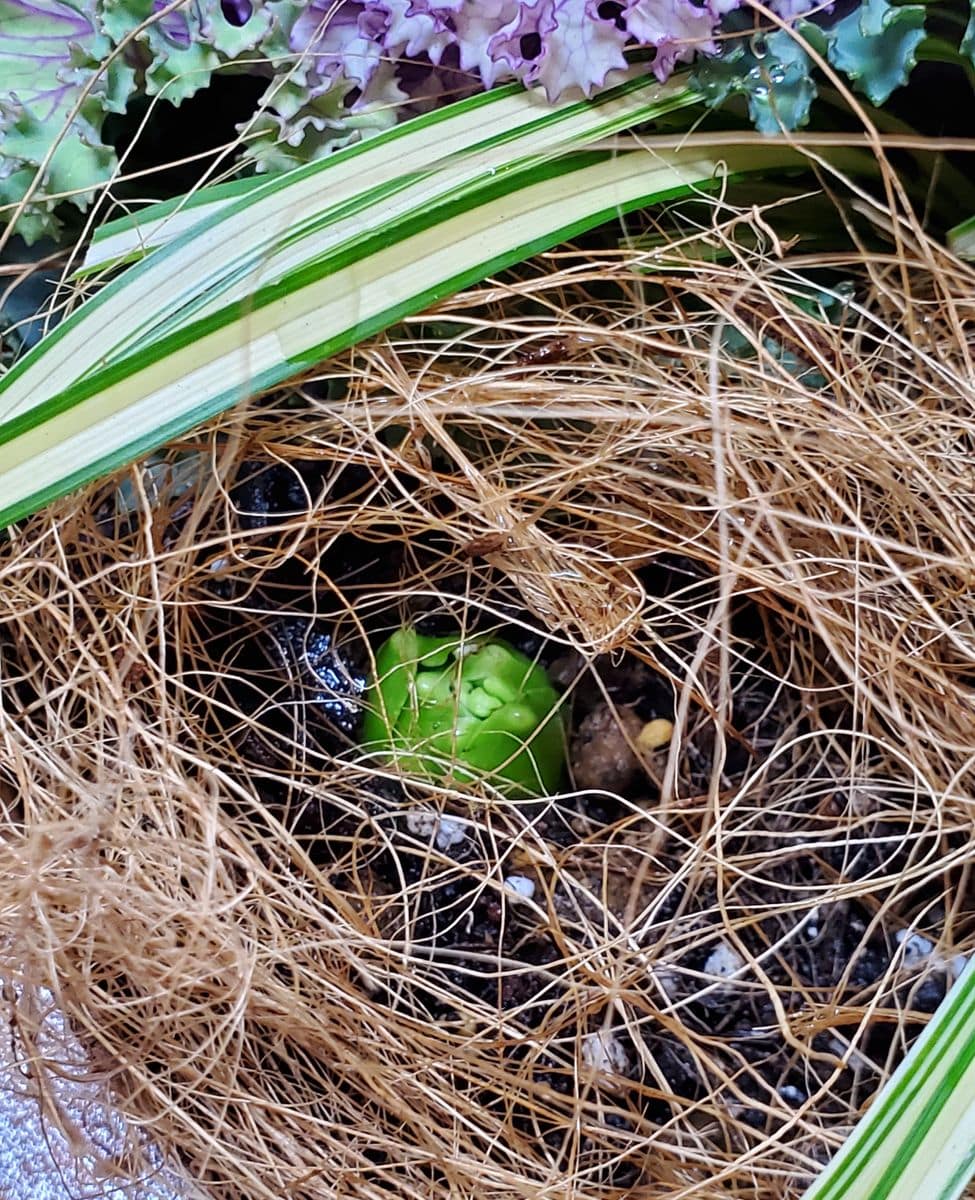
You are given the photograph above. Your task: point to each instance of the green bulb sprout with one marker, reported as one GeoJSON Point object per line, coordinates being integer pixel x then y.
{"type": "Point", "coordinates": [467, 708]}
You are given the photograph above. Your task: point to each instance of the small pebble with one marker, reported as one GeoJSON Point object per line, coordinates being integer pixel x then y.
{"type": "Point", "coordinates": [655, 734]}
{"type": "Point", "coordinates": [793, 1095]}
{"type": "Point", "coordinates": [723, 961]}
{"type": "Point", "coordinates": [566, 669]}
{"type": "Point", "coordinates": [929, 993]}
{"type": "Point", "coordinates": [520, 885]}
{"type": "Point", "coordinates": [605, 1054]}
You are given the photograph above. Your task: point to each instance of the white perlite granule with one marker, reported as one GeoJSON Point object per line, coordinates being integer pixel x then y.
{"type": "Point", "coordinates": [723, 961]}
{"type": "Point", "coordinates": [604, 1053]}
{"type": "Point", "coordinates": [520, 885]}
{"type": "Point", "coordinates": [916, 947]}
{"type": "Point", "coordinates": [445, 831]}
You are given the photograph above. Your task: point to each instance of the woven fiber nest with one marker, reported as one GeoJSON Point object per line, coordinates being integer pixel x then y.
{"type": "Point", "coordinates": [304, 976]}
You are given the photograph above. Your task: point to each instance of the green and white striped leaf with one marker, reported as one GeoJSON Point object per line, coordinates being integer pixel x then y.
{"type": "Point", "coordinates": [269, 283]}
{"type": "Point", "coordinates": [961, 239]}
{"type": "Point", "coordinates": [127, 239]}
{"type": "Point", "coordinates": [917, 1139]}
{"type": "Point", "coordinates": [419, 146]}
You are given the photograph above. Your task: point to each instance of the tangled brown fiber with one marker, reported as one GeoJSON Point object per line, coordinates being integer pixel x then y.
{"type": "Point", "coordinates": [782, 541]}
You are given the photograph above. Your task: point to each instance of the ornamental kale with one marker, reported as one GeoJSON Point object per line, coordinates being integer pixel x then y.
{"type": "Point", "coordinates": [54, 94]}
{"type": "Point", "coordinates": [874, 46]}
{"type": "Point", "coordinates": [344, 68]}
{"type": "Point", "coordinates": [563, 45]}
{"type": "Point", "coordinates": [179, 51]}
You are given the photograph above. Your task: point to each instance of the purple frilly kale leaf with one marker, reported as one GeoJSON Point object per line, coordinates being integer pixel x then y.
{"type": "Point", "coordinates": [564, 45]}
{"type": "Point", "coordinates": [332, 81]}
{"type": "Point", "coordinates": [470, 27]}
{"type": "Point", "coordinates": [677, 29]}
{"type": "Point", "coordinates": [54, 94]}
{"type": "Point", "coordinates": [792, 10]}
{"type": "Point", "coordinates": [412, 30]}
{"type": "Point", "coordinates": [339, 42]}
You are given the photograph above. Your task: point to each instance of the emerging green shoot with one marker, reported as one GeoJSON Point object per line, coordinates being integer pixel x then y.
{"type": "Point", "coordinates": [466, 708]}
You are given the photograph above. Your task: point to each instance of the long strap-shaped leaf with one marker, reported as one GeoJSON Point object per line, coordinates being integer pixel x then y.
{"type": "Point", "coordinates": [961, 239]}
{"type": "Point", "coordinates": [917, 1139]}
{"type": "Point", "coordinates": [420, 144]}
{"type": "Point", "coordinates": [129, 238]}
{"type": "Point", "coordinates": [251, 241]}
{"type": "Point", "coordinates": [305, 265]}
